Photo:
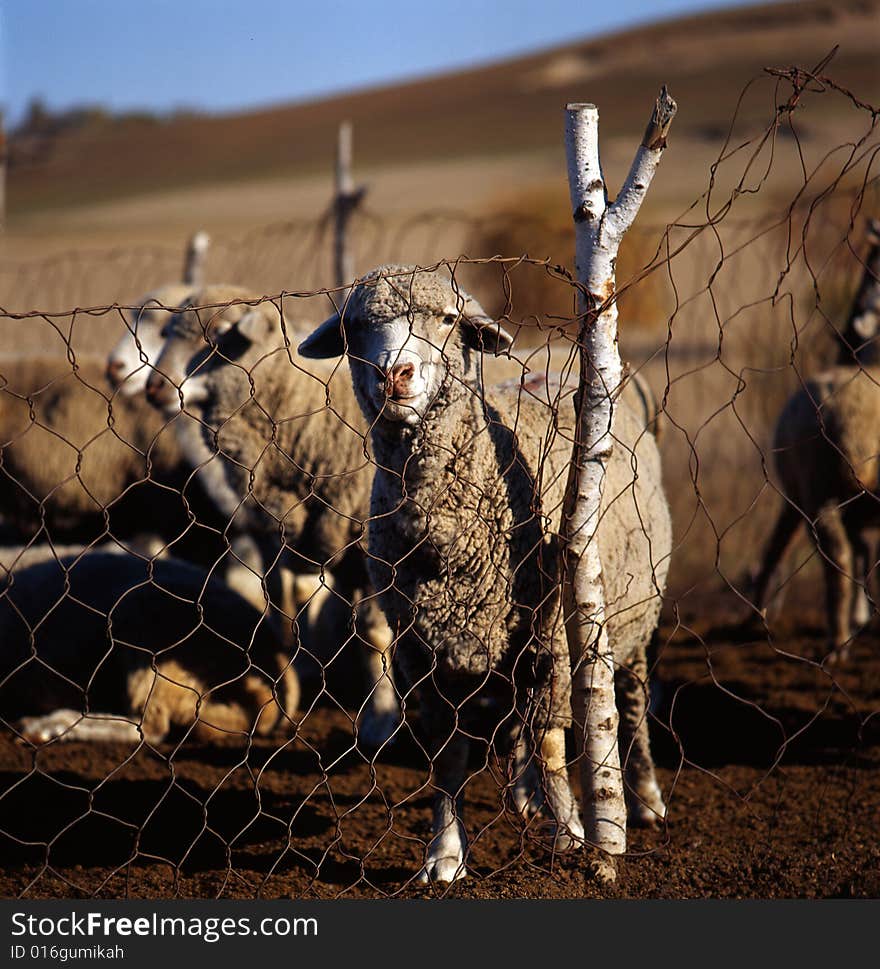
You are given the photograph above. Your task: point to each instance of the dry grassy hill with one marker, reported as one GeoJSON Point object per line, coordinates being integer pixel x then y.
{"type": "Point", "coordinates": [509, 108]}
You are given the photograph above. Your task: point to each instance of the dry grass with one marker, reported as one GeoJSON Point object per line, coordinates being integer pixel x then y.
{"type": "Point", "coordinates": [538, 224]}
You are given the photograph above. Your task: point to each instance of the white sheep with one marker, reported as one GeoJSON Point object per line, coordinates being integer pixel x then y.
{"type": "Point", "coordinates": [100, 645]}
{"type": "Point", "coordinates": [129, 366]}
{"type": "Point", "coordinates": [77, 463]}
{"type": "Point", "coordinates": [464, 547]}
{"type": "Point", "coordinates": [826, 453]}
{"type": "Point", "coordinates": [129, 362]}
{"type": "Point", "coordinates": [295, 463]}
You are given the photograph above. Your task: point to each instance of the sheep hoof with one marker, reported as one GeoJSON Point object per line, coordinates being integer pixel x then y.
{"type": "Point", "coordinates": [562, 809]}
{"type": "Point", "coordinates": [442, 870]}
{"type": "Point", "coordinates": [837, 656]}
{"type": "Point", "coordinates": [646, 815]}
{"type": "Point", "coordinates": [527, 801]}
{"type": "Point", "coordinates": [862, 612]}
{"type": "Point", "coordinates": [601, 868]}
{"type": "Point", "coordinates": [568, 836]}
{"type": "Point", "coordinates": [377, 730]}
{"type": "Point", "coordinates": [646, 808]}
{"type": "Point", "coordinates": [526, 796]}
{"type": "Point", "coordinates": [40, 730]}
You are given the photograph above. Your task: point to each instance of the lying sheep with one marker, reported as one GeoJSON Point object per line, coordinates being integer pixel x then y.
{"type": "Point", "coordinates": [464, 545]}
{"type": "Point", "coordinates": [290, 446]}
{"type": "Point", "coordinates": [101, 646]}
{"type": "Point", "coordinates": [827, 454]}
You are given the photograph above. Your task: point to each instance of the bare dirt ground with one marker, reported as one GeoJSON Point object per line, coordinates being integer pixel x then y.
{"type": "Point", "coordinates": [770, 764]}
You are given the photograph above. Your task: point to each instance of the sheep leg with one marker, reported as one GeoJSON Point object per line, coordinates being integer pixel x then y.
{"type": "Point", "coordinates": [75, 725]}
{"type": "Point", "coordinates": [837, 560]}
{"type": "Point", "coordinates": [525, 793]}
{"type": "Point", "coordinates": [557, 790]}
{"type": "Point", "coordinates": [644, 801]}
{"type": "Point", "coordinates": [861, 609]}
{"type": "Point", "coordinates": [244, 571]}
{"type": "Point", "coordinates": [380, 719]}
{"type": "Point", "coordinates": [657, 691]}
{"type": "Point", "coordinates": [300, 591]}
{"type": "Point", "coordinates": [780, 539]}
{"type": "Point", "coordinates": [445, 859]}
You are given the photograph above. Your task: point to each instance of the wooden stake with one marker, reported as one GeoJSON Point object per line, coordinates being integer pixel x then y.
{"type": "Point", "coordinates": [194, 260]}
{"type": "Point", "coordinates": [346, 200]}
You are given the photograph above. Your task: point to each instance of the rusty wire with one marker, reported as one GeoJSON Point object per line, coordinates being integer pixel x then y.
{"type": "Point", "coordinates": [247, 788]}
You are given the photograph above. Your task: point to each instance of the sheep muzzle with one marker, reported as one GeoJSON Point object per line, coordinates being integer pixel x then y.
{"type": "Point", "coordinates": [398, 381]}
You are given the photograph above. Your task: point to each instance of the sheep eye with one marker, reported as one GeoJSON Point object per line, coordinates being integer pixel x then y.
{"type": "Point", "coordinates": [450, 319]}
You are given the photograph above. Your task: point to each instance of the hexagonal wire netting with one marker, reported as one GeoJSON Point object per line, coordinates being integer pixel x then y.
{"type": "Point", "coordinates": [256, 623]}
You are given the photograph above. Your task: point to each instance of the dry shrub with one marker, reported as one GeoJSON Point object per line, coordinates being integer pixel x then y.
{"type": "Point", "coordinates": [538, 224]}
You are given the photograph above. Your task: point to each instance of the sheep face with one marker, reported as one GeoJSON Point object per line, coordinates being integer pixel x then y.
{"type": "Point", "coordinates": [197, 341]}
{"type": "Point", "coordinates": [130, 362]}
{"type": "Point", "coordinates": [408, 335]}
{"type": "Point", "coordinates": [399, 365]}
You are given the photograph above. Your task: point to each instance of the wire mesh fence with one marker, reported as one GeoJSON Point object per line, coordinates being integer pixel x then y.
{"type": "Point", "coordinates": [262, 609]}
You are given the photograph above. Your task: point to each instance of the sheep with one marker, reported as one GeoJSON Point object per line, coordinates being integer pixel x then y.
{"type": "Point", "coordinates": [292, 450]}
{"type": "Point", "coordinates": [826, 454]}
{"type": "Point", "coordinates": [81, 464]}
{"type": "Point", "coordinates": [552, 386]}
{"type": "Point", "coordinates": [74, 461]}
{"type": "Point", "coordinates": [464, 546]}
{"type": "Point", "coordinates": [128, 364]}
{"type": "Point", "coordinates": [128, 368]}
{"type": "Point", "coordinates": [19, 557]}
{"type": "Point", "coordinates": [110, 646]}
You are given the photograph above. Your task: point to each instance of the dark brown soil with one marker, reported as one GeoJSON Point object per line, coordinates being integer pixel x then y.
{"type": "Point", "coordinates": [770, 764]}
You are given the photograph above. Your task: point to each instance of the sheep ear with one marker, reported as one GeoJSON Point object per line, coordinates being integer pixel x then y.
{"type": "Point", "coordinates": [327, 341]}
{"type": "Point", "coordinates": [479, 330]}
{"type": "Point", "coordinates": [256, 323]}
{"type": "Point", "coordinates": [484, 333]}
{"type": "Point", "coordinates": [220, 320]}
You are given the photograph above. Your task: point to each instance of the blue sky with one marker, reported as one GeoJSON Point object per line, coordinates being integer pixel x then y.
{"type": "Point", "coordinates": [229, 54]}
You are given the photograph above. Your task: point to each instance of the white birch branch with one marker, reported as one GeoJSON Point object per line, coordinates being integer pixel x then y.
{"type": "Point", "coordinates": [599, 229]}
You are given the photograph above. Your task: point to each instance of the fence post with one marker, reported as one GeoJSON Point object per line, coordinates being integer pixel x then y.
{"type": "Point", "coordinates": [3, 156]}
{"type": "Point", "coordinates": [194, 260]}
{"type": "Point", "coordinates": [345, 200]}
{"type": "Point", "coordinates": [599, 229]}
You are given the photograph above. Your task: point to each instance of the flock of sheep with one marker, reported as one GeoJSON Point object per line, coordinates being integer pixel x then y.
{"type": "Point", "coordinates": [184, 529]}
